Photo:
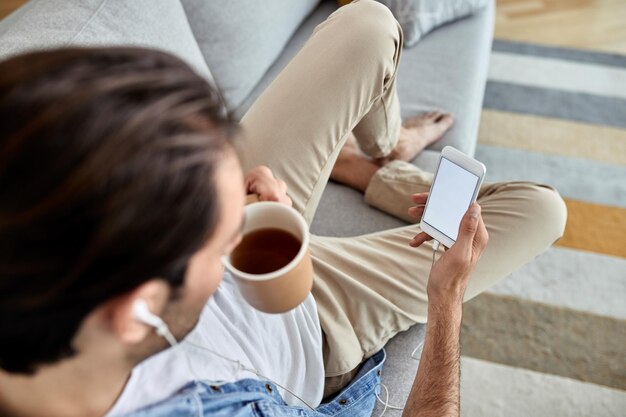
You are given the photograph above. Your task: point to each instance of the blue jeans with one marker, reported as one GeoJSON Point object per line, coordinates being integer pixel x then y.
{"type": "Point", "coordinates": [257, 398]}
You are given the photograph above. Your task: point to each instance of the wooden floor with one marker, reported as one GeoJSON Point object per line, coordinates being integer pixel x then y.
{"type": "Point", "coordinates": [589, 24]}
{"type": "Point", "coordinates": [7, 6]}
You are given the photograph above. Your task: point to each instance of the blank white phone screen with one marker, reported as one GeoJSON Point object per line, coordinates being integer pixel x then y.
{"type": "Point", "coordinates": [449, 198]}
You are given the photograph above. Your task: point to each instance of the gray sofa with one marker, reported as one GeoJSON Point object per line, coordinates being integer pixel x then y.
{"type": "Point", "coordinates": [240, 50]}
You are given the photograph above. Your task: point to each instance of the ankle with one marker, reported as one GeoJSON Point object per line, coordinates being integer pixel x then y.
{"type": "Point", "coordinates": [354, 170]}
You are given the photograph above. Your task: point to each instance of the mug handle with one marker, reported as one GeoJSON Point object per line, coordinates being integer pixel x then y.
{"type": "Point", "coordinates": [251, 198]}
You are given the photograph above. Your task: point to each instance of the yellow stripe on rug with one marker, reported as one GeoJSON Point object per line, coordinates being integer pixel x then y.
{"type": "Point", "coordinates": [553, 136]}
{"type": "Point", "coordinates": [595, 228]}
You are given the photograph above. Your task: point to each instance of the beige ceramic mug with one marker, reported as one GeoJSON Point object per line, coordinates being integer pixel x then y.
{"type": "Point", "coordinates": [285, 288]}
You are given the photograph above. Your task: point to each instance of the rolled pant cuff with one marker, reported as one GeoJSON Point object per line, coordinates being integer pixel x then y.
{"type": "Point", "coordinates": [391, 187]}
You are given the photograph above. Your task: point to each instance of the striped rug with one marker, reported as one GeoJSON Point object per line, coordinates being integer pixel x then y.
{"type": "Point", "coordinates": [551, 338]}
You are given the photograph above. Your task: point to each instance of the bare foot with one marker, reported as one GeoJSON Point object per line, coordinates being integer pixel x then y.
{"type": "Point", "coordinates": [416, 134]}
{"type": "Point", "coordinates": [355, 169]}
{"type": "Point", "coordinates": [352, 167]}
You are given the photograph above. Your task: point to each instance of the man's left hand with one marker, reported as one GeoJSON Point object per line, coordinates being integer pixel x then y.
{"type": "Point", "coordinates": [261, 181]}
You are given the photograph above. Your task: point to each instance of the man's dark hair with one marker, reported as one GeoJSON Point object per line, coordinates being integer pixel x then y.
{"type": "Point", "coordinates": [107, 162]}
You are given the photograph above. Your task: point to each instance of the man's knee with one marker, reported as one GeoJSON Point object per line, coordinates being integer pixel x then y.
{"type": "Point", "coordinates": [549, 211]}
{"type": "Point", "coordinates": [370, 26]}
{"type": "Point", "coordinates": [371, 9]}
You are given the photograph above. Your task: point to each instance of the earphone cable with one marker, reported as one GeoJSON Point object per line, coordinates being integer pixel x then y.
{"type": "Point", "coordinates": [249, 369]}
{"type": "Point", "coordinates": [164, 331]}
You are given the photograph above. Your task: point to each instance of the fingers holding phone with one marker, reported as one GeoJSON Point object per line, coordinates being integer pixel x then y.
{"type": "Point", "coordinates": [450, 274]}
{"type": "Point", "coordinates": [472, 239]}
{"type": "Point", "coordinates": [416, 212]}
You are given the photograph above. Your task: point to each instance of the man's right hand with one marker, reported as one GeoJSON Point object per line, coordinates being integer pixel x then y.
{"type": "Point", "coordinates": [436, 391]}
{"type": "Point", "coordinates": [449, 276]}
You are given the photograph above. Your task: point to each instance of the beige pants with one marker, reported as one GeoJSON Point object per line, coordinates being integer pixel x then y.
{"type": "Point", "coordinates": [370, 287]}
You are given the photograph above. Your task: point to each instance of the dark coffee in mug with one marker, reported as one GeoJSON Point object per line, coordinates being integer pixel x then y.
{"type": "Point", "coordinates": [272, 265]}
{"type": "Point", "coordinates": [265, 250]}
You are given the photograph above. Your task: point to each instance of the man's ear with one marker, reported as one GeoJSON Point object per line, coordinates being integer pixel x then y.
{"type": "Point", "coordinates": [120, 310]}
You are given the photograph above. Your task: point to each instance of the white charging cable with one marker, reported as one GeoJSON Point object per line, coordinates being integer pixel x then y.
{"type": "Point", "coordinates": [436, 245]}
{"type": "Point", "coordinates": [385, 402]}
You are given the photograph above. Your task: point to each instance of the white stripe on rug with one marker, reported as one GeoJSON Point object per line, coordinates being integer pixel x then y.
{"type": "Point", "coordinates": [490, 389]}
{"type": "Point", "coordinates": [558, 75]}
{"type": "Point", "coordinates": [583, 281]}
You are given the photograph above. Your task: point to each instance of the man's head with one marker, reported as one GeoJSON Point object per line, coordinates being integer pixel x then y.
{"type": "Point", "coordinates": [117, 182]}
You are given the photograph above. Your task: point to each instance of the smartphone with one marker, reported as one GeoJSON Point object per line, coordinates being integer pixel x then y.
{"type": "Point", "coordinates": [455, 186]}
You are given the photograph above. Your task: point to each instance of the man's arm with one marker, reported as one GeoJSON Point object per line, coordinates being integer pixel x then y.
{"type": "Point", "coordinates": [435, 391]}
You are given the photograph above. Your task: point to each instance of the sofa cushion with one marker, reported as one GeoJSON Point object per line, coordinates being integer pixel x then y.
{"type": "Point", "coordinates": [43, 24]}
{"type": "Point", "coordinates": [240, 39]}
{"type": "Point", "coordinates": [418, 17]}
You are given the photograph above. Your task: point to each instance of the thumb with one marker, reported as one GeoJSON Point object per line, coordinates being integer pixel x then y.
{"type": "Point", "coordinates": [468, 228]}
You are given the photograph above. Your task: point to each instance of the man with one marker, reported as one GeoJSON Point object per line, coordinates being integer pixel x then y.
{"type": "Point", "coordinates": [120, 181]}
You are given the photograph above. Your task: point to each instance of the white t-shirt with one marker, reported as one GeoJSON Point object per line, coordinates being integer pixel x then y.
{"type": "Point", "coordinates": [284, 347]}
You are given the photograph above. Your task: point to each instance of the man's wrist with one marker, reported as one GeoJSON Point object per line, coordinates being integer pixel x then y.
{"type": "Point", "coordinates": [445, 309]}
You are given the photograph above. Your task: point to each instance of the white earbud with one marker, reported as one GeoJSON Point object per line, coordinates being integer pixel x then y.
{"type": "Point", "coordinates": [142, 313]}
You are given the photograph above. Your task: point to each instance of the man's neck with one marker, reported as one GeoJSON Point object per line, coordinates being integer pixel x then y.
{"type": "Point", "coordinates": [75, 387]}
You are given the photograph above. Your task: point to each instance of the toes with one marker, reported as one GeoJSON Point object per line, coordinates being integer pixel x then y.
{"type": "Point", "coordinates": [441, 116]}
{"type": "Point", "coordinates": [435, 116]}
{"type": "Point", "coordinates": [422, 119]}
{"type": "Point", "coordinates": [431, 116]}
{"type": "Point", "coordinates": [446, 120]}
{"type": "Point", "coordinates": [444, 124]}
{"type": "Point", "coordinates": [443, 121]}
